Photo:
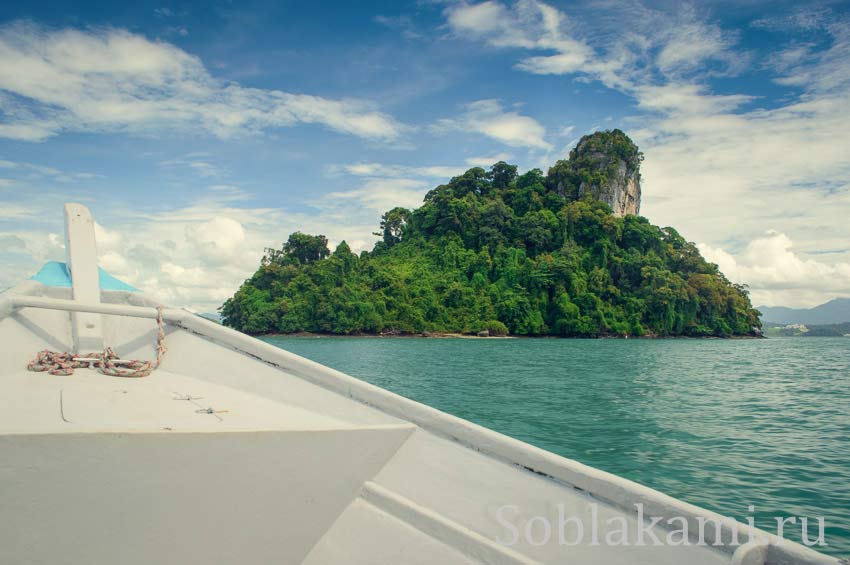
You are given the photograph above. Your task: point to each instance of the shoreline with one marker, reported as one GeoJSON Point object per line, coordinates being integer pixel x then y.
{"type": "Point", "coordinates": [448, 335]}
{"type": "Point", "coordinates": [424, 335]}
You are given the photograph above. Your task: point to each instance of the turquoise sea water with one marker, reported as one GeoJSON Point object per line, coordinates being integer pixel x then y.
{"type": "Point", "coordinates": [719, 423]}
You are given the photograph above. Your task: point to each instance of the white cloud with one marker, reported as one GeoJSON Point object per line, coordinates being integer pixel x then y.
{"type": "Point", "coordinates": [380, 194]}
{"type": "Point", "coordinates": [489, 118]}
{"type": "Point", "coordinates": [529, 25]}
{"type": "Point", "coordinates": [227, 192]}
{"type": "Point", "coordinates": [733, 175]}
{"type": "Point", "coordinates": [477, 19]}
{"type": "Point", "coordinates": [114, 262]}
{"type": "Point", "coordinates": [802, 17]}
{"type": "Point", "coordinates": [9, 211]}
{"type": "Point", "coordinates": [628, 47]}
{"type": "Point", "coordinates": [691, 42]}
{"type": "Point", "coordinates": [27, 170]}
{"type": "Point", "coordinates": [778, 275]}
{"type": "Point", "coordinates": [108, 238]}
{"type": "Point", "coordinates": [686, 99]}
{"type": "Point", "coordinates": [383, 186]}
{"type": "Point", "coordinates": [566, 131]}
{"type": "Point", "coordinates": [823, 72]}
{"type": "Point", "coordinates": [11, 243]}
{"type": "Point", "coordinates": [217, 241]}
{"type": "Point", "coordinates": [113, 80]}
{"type": "Point", "coordinates": [195, 162]}
{"type": "Point", "coordinates": [441, 173]}
{"type": "Point", "coordinates": [382, 170]}
{"type": "Point", "coordinates": [404, 24]}
{"type": "Point", "coordinates": [486, 161]}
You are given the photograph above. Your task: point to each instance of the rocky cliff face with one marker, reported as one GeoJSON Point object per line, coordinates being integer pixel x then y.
{"type": "Point", "coordinates": [621, 191]}
{"type": "Point", "coordinates": [614, 166]}
{"type": "Point", "coordinates": [604, 166]}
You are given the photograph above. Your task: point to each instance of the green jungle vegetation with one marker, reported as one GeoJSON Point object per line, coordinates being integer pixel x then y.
{"type": "Point", "coordinates": [503, 253]}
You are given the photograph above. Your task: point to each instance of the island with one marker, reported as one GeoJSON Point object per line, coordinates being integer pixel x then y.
{"type": "Point", "coordinates": [494, 253]}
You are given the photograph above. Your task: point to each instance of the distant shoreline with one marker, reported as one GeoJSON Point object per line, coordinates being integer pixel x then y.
{"type": "Point", "coordinates": [445, 335]}
{"type": "Point", "coordinates": [437, 335]}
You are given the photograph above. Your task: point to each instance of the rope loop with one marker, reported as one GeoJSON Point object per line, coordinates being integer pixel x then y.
{"type": "Point", "coordinates": [64, 363]}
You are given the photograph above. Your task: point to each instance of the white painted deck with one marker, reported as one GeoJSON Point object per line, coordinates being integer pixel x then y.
{"type": "Point", "coordinates": [297, 463]}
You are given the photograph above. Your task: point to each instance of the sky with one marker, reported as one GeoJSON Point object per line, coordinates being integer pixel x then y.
{"type": "Point", "coordinates": [200, 133]}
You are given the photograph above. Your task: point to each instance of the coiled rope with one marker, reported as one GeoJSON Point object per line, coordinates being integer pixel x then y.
{"type": "Point", "coordinates": [64, 363]}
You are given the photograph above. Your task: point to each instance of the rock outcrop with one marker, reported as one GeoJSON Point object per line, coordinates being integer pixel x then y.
{"type": "Point", "coordinates": [605, 166]}
{"type": "Point", "coordinates": [621, 192]}
{"type": "Point", "coordinates": [616, 159]}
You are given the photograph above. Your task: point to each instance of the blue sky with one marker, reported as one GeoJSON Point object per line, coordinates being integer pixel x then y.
{"type": "Point", "coordinates": [198, 133]}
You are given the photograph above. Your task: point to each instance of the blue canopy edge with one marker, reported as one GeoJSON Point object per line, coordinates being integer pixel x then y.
{"type": "Point", "coordinates": [55, 273]}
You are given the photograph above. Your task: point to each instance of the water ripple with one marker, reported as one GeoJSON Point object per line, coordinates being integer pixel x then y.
{"type": "Point", "coordinates": [719, 423]}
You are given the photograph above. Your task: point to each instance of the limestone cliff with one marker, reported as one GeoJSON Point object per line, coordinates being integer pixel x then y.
{"type": "Point", "coordinates": [604, 166]}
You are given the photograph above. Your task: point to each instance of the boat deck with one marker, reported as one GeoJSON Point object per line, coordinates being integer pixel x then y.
{"type": "Point", "coordinates": [88, 401]}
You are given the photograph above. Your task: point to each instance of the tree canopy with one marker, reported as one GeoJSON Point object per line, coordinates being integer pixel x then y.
{"type": "Point", "coordinates": [503, 252]}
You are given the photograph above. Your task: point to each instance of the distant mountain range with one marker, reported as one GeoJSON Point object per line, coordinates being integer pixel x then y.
{"type": "Point", "coordinates": [836, 311]}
